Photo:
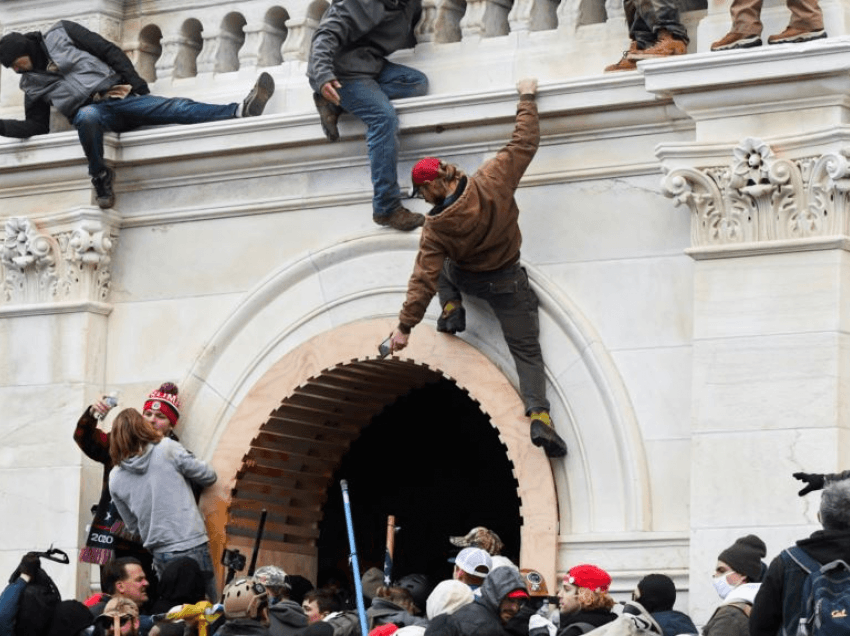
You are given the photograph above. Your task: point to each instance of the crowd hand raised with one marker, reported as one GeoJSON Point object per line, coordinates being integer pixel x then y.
{"type": "Point", "coordinates": [29, 566]}
{"type": "Point", "coordinates": [814, 481]}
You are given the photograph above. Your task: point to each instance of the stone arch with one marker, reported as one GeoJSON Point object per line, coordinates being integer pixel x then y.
{"type": "Point", "coordinates": [331, 307]}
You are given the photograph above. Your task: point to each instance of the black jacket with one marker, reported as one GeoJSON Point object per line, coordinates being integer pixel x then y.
{"type": "Point", "coordinates": [37, 112]}
{"type": "Point", "coordinates": [673, 623]}
{"type": "Point", "coordinates": [570, 622]}
{"type": "Point", "coordinates": [481, 617]}
{"type": "Point", "coordinates": [823, 546]}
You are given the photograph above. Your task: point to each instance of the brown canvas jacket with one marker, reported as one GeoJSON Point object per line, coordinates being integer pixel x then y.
{"type": "Point", "coordinates": [479, 231]}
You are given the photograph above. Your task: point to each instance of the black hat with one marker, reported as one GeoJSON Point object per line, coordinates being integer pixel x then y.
{"type": "Point", "coordinates": [69, 618]}
{"type": "Point", "coordinates": [12, 46]}
{"type": "Point", "coordinates": [656, 592]}
{"type": "Point", "coordinates": [745, 555]}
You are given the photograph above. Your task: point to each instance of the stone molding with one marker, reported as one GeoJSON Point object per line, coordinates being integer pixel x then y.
{"type": "Point", "coordinates": [66, 262]}
{"type": "Point", "coordinates": [762, 197]}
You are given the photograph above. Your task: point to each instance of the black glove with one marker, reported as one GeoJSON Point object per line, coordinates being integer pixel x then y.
{"type": "Point", "coordinates": [814, 481]}
{"type": "Point", "coordinates": [29, 565]}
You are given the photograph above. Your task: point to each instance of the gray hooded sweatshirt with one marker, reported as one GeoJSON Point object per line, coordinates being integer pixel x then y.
{"type": "Point", "coordinates": [152, 494]}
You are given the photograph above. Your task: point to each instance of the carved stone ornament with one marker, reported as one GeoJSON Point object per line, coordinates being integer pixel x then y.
{"type": "Point", "coordinates": [72, 265]}
{"type": "Point", "coordinates": [760, 197]}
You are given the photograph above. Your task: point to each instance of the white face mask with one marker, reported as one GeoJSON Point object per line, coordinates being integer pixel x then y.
{"type": "Point", "coordinates": [722, 586]}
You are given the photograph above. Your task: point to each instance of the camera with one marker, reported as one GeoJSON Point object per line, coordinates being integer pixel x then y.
{"type": "Point", "coordinates": [233, 560]}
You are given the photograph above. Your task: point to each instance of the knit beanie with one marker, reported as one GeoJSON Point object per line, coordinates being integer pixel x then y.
{"type": "Point", "coordinates": [744, 556]}
{"type": "Point", "coordinates": [589, 576]}
{"type": "Point", "coordinates": [14, 45]}
{"type": "Point", "coordinates": [657, 593]}
{"type": "Point", "coordinates": [165, 400]}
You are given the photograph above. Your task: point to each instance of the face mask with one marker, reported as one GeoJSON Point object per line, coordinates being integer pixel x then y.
{"type": "Point", "coordinates": [722, 586]}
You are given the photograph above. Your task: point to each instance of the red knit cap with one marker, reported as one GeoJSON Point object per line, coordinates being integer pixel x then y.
{"type": "Point", "coordinates": [384, 630]}
{"type": "Point", "coordinates": [165, 400]}
{"type": "Point", "coordinates": [589, 576]}
{"type": "Point", "coordinates": [425, 170]}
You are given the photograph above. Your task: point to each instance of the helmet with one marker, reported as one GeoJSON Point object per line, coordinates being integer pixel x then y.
{"type": "Point", "coordinates": [244, 598]}
{"type": "Point", "coordinates": [419, 587]}
{"type": "Point", "coordinates": [271, 576]}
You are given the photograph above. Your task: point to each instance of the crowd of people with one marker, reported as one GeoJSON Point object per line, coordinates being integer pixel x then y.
{"type": "Point", "coordinates": [486, 594]}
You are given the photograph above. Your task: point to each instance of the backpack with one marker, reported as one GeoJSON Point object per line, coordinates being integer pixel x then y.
{"type": "Point", "coordinates": [825, 598]}
{"type": "Point", "coordinates": [38, 602]}
{"type": "Point", "coordinates": [634, 621]}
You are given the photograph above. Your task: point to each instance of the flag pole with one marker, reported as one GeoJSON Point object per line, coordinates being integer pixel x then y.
{"type": "Point", "coordinates": [388, 556]}
{"type": "Point", "coordinates": [355, 566]}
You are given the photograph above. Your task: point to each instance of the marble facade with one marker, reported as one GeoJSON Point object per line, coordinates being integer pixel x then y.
{"type": "Point", "coordinates": [685, 226]}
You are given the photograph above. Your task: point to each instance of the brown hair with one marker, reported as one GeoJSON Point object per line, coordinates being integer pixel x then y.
{"type": "Point", "coordinates": [130, 434]}
{"type": "Point", "coordinates": [590, 600]}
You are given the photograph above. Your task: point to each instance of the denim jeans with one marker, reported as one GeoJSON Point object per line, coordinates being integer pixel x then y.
{"type": "Point", "coordinates": [121, 115]}
{"type": "Point", "coordinates": [509, 294]}
{"type": "Point", "coordinates": [646, 17]}
{"type": "Point", "coordinates": [369, 99]}
{"type": "Point", "coordinates": [199, 554]}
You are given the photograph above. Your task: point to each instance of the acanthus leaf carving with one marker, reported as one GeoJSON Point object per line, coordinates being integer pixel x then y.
{"type": "Point", "coordinates": [763, 197]}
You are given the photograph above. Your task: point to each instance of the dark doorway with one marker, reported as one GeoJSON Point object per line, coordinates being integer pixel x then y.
{"type": "Point", "coordinates": [433, 460]}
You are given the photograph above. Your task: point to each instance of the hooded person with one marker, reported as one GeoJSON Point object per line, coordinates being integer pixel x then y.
{"type": "Point", "coordinates": [393, 605]}
{"type": "Point", "coordinates": [182, 583]}
{"type": "Point", "coordinates": [286, 617]}
{"type": "Point", "coordinates": [657, 594]}
{"type": "Point", "coordinates": [503, 595]}
{"type": "Point", "coordinates": [737, 578]}
{"type": "Point", "coordinates": [150, 488]}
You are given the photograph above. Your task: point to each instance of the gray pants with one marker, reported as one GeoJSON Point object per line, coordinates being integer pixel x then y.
{"type": "Point", "coordinates": [515, 304]}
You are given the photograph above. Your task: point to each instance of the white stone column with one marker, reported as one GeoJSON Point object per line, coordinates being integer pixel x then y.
{"type": "Point", "coordinates": [766, 183]}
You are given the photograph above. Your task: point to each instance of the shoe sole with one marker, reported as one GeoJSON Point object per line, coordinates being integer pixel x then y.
{"type": "Point", "coordinates": [636, 57]}
{"type": "Point", "coordinates": [553, 448]}
{"type": "Point", "coordinates": [740, 44]}
{"type": "Point", "coordinates": [401, 228]}
{"type": "Point", "coordinates": [329, 128]}
{"type": "Point", "coordinates": [799, 39]}
{"type": "Point", "coordinates": [262, 92]}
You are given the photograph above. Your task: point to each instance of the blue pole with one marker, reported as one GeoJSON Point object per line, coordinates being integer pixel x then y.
{"type": "Point", "coordinates": [355, 566]}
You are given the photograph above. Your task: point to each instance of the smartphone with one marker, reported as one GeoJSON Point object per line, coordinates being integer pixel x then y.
{"type": "Point", "coordinates": [385, 348]}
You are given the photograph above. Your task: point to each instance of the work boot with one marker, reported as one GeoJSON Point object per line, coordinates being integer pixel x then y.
{"type": "Point", "coordinates": [625, 64]}
{"type": "Point", "coordinates": [401, 219]}
{"type": "Point", "coordinates": [328, 116]}
{"type": "Point", "coordinates": [795, 36]}
{"type": "Point", "coordinates": [259, 96]}
{"type": "Point", "coordinates": [543, 434]}
{"type": "Point", "coordinates": [733, 40]}
{"type": "Point", "coordinates": [453, 318]}
{"type": "Point", "coordinates": [103, 188]}
{"type": "Point", "coordinates": [665, 45]}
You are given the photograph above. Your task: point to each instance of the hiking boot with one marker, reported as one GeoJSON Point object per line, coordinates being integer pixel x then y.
{"type": "Point", "coordinates": [328, 116]}
{"type": "Point", "coordinates": [625, 64]}
{"type": "Point", "coordinates": [259, 96]}
{"type": "Point", "coordinates": [795, 36]}
{"type": "Point", "coordinates": [453, 318]}
{"type": "Point", "coordinates": [103, 188]}
{"type": "Point", "coordinates": [543, 434]}
{"type": "Point", "coordinates": [401, 219]}
{"type": "Point", "coordinates": [665, 46]}
{"type": "Point", "coordinates": [733, 40]}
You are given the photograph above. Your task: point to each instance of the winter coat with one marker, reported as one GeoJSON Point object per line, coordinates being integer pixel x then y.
{"type": "Point", "coordinates": [355, 36]}
{"type": "Point", "coordinates": [570, 623]}
{"type": "Point", "coordinates": [481, 617]}
{"type": "Point", "coordinates": [673, 623]}
{"type": "Point", "coordinates": [823, 546]}
{"type": "Point", "coordinates": [479, 231]}
{"type": "Point", "coordinates": [85, 64]}
{"type": "Point", "coordinates": [286, 618]}
{"type": "Point", "coordinates": [153, 496]}
{"type": "Point", "coordinates": [732, 618]}
{"type": "Point", "coordinates": [383, 612]}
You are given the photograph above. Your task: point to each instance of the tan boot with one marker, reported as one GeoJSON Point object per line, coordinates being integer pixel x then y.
{"type": "Point", "coordinates": [625, 64]}
{"type": "Point", "coordinates": [665, 46]}
{"type": "Point", "coordinates": [401, 219]}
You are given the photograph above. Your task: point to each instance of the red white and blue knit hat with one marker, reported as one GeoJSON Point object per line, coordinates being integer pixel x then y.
{"type": "Point", "coordinates": [165, 400]}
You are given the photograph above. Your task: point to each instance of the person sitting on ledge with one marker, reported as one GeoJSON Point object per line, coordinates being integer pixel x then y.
{"type": "Point", "coordinates": [93, 83]}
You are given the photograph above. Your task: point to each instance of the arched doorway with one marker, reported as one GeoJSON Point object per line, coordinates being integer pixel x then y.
{"type": "Point", "coordinates": [295, 474]}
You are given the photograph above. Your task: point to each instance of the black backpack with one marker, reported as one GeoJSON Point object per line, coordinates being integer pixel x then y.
{"type": "Point", "coordinates": [38, 602]}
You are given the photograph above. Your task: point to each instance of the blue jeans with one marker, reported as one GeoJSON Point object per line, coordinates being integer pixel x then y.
{"type": "Point", "coordinates": [369, 99]}
{"type": "Point", "coordinates": [121, 115]}
{"type": "Point", "coordinates": [199, 554]}
{"type": "Point", "coordinates": [515, 304]}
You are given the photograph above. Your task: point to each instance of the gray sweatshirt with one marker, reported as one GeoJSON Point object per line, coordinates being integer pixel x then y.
{"type": "Point", "coordinates": [153, 496]}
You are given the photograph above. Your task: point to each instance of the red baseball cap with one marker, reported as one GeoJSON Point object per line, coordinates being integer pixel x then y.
{"type": "Point", "coordinates": [589, 576]}
{"type": "Point", "coordinates": [425, 170]}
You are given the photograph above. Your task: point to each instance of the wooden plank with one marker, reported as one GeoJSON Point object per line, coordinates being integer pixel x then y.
{"type": "Point", "coordinates": [273, 543]}
{"type": "Point", "coordinates": [282, 510]}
